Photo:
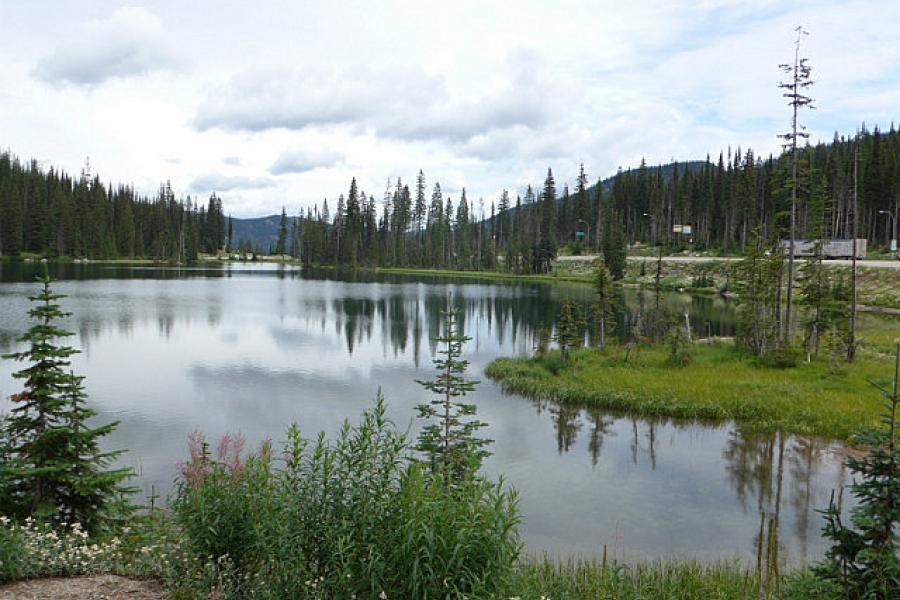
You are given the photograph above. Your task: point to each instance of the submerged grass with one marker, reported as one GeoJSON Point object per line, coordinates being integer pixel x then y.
{"type": "Point", "coordinates": [719, 383]}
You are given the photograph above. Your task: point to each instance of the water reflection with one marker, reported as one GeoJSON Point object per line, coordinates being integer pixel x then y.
{"type": "Point", "coordinates": [221, 349]}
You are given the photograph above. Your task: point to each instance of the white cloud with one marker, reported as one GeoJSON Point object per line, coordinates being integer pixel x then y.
{"type": "Point", "coordinates": [131, 42]}
{"type": "Point", "coordinates": [403, 102]}
{"type": "Point", "coordinates": [216, 182]}
{"type": "Point", "coordinates": [285, 105]}
{"type": "Point", "coordinates": [303, 160]}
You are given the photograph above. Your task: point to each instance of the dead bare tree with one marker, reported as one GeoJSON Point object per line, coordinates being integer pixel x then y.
{"type": "Point", "coordinates": [799, 73]}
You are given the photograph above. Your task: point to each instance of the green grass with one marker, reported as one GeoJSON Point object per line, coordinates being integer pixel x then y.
{"type": "Point", "coordinates": [584, 580]}
{"type": "Point", "coordinates": [499, 275]}
{"type": "Point", "coordinates": [719, 383]}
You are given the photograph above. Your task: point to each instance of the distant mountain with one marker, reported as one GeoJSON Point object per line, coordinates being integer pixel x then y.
{"type": "Point", "coordinates": [261, 232]}
{"type": "Point", "coordinates": [667, 170]}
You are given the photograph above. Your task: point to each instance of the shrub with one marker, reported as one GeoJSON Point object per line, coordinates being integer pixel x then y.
{"type": "Point", "coordinates": [352, 517]}
{"type": "Point", "coordinates": [36, 549]}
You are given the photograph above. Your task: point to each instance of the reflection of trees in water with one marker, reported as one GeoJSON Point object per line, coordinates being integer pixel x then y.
{"type": "Point", "coordinates": [774, 476]}
{"type": "Point", "coordinates": [407, 308]}
{"type": "Point", "coordinates": [804, 459]}
{"type": "Point", "coordinates": [757, 465]}
{"type": "Point", "coordinates": [410, 316]}
{"type": "Point", "coordinates": [601, 427]}
{"type": "Point", "coordinates": [567, 422]}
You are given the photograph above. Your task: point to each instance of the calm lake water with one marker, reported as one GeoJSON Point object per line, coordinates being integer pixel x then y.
{"type": "Point", "coordinates": [252, 348]}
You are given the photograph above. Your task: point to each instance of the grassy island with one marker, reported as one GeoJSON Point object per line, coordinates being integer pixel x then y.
{"type": "Point", "coordinates": [720, 382]}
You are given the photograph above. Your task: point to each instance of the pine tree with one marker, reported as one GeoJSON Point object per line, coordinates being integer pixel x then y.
{"type": "Point", "coordinates": [568, 335]}
{"type": "Point", "coordinates": [757, 277]}
{"type": "Point", "coordinates": [864, 560]}
{"type": "Point", "coordinates": [57, 471]}
{"type": "Point", "coordinates": [448, 439]}
{"type": "Point", "coordinates": [546, 251]}
{"type": "Point", "coordinates": [614, 247]}
{"type": "Point", "coordinates": [281, 244]}
{"type": "Point", "coordinates": [603, 307]}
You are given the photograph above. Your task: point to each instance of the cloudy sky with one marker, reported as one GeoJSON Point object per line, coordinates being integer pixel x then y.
{"type": "Point", "coordinates": [281, 103]}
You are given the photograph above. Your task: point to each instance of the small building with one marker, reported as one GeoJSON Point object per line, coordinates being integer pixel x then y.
{"type": "Point", "coordinates": [830, 248]}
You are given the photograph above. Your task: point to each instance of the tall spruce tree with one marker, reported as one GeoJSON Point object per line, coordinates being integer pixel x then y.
{"type": "Point", "coordinates": [54, 468]}
{"type": "Point", "coordinates": [281, 244]}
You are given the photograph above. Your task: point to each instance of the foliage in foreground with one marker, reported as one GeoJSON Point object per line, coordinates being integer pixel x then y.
{"type": "Point", "coordinates": [864, 560]}
{"type": "Point", "coordinates": [591, 579]}
{"type": "Point", "coordinates": [353, 517]}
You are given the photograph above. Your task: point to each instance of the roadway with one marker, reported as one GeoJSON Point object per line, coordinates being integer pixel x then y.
{"type": "Point", "coordinates": [878, 264]}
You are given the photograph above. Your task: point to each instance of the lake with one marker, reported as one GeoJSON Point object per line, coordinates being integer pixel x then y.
{"type": "Point", "coordinates": [251, 348]}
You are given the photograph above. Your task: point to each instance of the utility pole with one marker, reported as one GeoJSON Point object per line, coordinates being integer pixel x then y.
{"type": "Point", "coordinates": [851, 342]}
{"type": "Point", "coordinates": [799, 81]}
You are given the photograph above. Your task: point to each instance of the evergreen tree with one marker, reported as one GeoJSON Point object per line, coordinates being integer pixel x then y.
{"type": "Point", "coordinates": [281, 244]}
{"type": "Point", "coordinates": [603, 307]}
{"type": "Point", "coordinates": [864, 560]}
{"type": "Point", "coordinates": [758, 276]}
{"type": "Point", "coordinates": [56, 471]}
{"type": "Point", "coordinates": [568, 335]}
{"type": "Point", "coordinates": [547, 246]}
{"type": "Point", "coordinates": [614, 247]}
{"type": "Point", "coordinates": [448, 439]}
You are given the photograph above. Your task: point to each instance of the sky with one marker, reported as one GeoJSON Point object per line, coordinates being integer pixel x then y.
{"type": "Point", "coordinates": [273, 104]}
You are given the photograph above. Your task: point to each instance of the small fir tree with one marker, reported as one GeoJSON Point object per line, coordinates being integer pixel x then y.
{"type": "Point", "coordinates": [53, 468]}
{"type": "Point", "coordinates": [568, 335]}
{"type": "Point", "coordinates": [757, 282]}
{"type": "Point", "coordinates": [448, 439]}
{"type": "Point", "coordinates": [864, 560]}
{"type": "Point", "coordinates": [603, 307]}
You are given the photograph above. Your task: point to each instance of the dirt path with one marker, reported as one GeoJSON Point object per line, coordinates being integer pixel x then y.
{"type": "Point", "coordinates": [95, 587]}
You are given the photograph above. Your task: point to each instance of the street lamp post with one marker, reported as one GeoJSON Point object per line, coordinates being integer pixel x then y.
{"type": "Point", "coordinates": [652, 227]}
{"type": "Point", "coordinates": [893, 219]}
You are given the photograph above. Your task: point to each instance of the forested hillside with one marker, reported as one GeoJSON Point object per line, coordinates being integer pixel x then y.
{"type": "Point", "coordinates": [724, 201]}
{"type": "Point", "coordinates": [54, 214]}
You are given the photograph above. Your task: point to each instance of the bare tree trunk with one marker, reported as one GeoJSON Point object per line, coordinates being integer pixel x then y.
{"type": "Point", "coordinates": [851, 345]}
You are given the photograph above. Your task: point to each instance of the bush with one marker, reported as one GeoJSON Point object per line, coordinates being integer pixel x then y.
{"type": "Point", "coordinates": [783, 356]}
{"type": "Point", "coordinates": [35, 549]}
{"type": "Point", "coordinates": [353, 517]}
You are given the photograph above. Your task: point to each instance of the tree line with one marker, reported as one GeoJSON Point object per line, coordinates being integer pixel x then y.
{"type": "Point", "coordinates": [725, 205]}
{"type": "Point", "coordinates": [54, 214]}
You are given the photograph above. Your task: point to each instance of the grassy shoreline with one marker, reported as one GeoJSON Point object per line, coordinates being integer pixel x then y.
{"type": "Point", "coordinates": [720, 383]}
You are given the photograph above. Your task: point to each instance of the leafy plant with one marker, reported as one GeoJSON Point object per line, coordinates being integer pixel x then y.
{"type": "Point", "coordinates": [354, 517]}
